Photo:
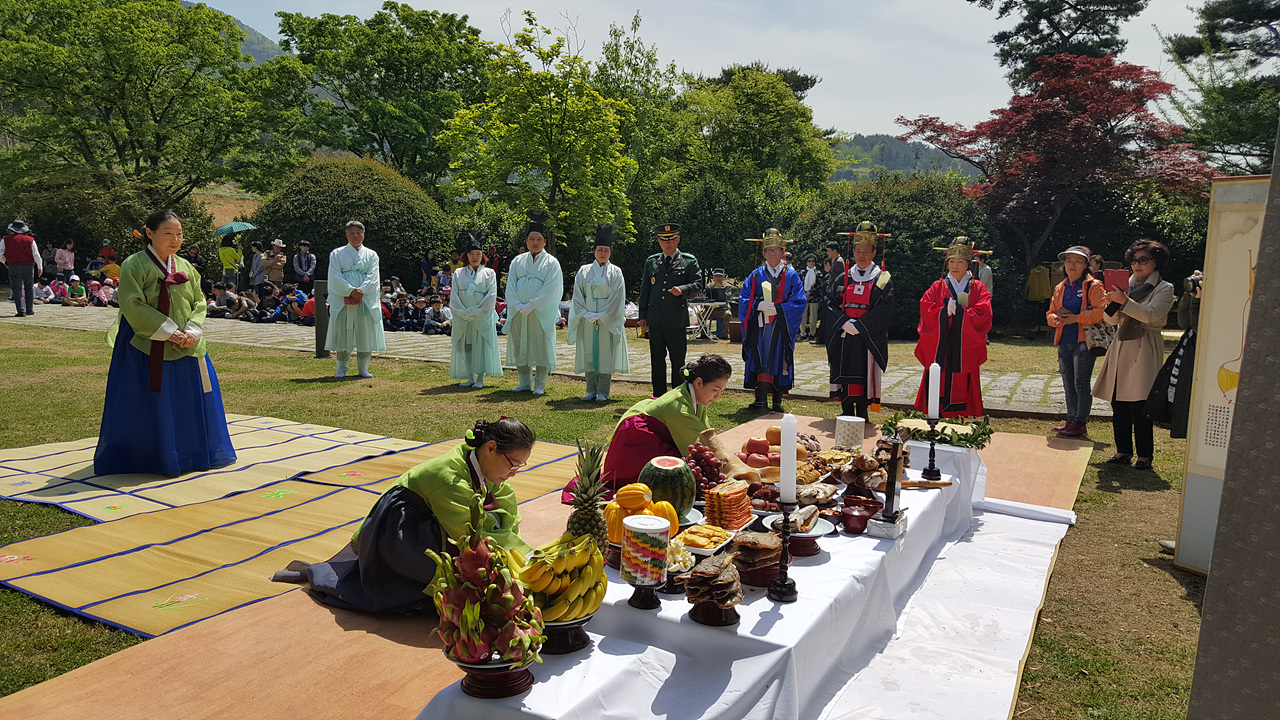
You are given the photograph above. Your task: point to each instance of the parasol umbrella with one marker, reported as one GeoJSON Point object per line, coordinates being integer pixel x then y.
{"type": "Point", "coordinates": [234, 227]}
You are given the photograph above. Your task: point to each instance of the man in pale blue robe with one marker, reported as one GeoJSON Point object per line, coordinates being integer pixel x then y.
{"type": "Point", "coordinates": [475, 322]}
{"type": "Point", "coordinates": [355, 318]}
{"type": "Point", "coordinates": [534, 289]}
{"type": "Point", "coordinates": [597, 317]}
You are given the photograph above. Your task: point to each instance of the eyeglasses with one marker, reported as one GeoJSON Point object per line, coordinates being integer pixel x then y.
{"type": "Point", "coordinates": [514, 465]}
{"type": "Point", "coordinates": [1141, 260]}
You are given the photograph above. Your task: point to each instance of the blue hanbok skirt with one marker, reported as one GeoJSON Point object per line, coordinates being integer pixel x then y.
{"type": "Point", "coordinates": [178, 430]}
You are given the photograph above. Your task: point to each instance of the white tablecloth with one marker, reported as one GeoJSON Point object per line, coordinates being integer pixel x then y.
{"type": "Point", "coordinates": [780, 661]}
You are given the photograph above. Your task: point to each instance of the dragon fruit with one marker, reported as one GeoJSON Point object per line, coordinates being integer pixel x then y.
{"type": "Point", "coordinates": [485, 615]}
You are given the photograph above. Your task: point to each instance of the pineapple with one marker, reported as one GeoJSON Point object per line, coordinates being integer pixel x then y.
{"type": "Point", "coordinates": [587, 516]}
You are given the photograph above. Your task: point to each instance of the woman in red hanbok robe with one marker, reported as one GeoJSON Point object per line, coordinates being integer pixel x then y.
{"type": "Point", "coordinates": [955, 317]}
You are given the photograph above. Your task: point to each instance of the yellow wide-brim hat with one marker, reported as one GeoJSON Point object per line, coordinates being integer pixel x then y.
{"type": "Point", "coordinates": [866, 234]}
{"type": "Point", "coordinates": [962, 247]}
{"type": "Point", "coordinates": [772, 238]}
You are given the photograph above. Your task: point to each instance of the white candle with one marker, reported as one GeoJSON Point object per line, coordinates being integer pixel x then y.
{"type": "Point", "coordinates": [787, 489]}
{"type": "Point", "coordinates": [935, 389]}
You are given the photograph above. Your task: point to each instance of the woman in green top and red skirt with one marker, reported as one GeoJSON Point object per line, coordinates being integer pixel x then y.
{"type": "Point", "coordinates": [665, 425]}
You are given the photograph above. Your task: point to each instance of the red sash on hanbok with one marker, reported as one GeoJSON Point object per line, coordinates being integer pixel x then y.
{"type": "Point", "coordinates": [156, 367]}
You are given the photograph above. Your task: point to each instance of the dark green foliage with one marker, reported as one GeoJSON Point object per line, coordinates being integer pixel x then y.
{"type": "Point", "coordinates": [1052, 27]}
{"type": "Point", "coordinates": [401, 221]}
{"type": "Point", "coordinates": [87, 206]}
{"type": "Point", "coordinates": [1231, 64]}
{"type": "Point", "coordinates": [151, 90]}
{"type": "Point", "coordinates": [390, 82]}
{"type": "Point", "coordinates": [714, 220]}
{"type": "Point", "coordinates": [921, 213]}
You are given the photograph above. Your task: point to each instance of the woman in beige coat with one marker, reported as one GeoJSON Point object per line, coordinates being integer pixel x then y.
{"type": "Point", "coordinates": [1135, 355]}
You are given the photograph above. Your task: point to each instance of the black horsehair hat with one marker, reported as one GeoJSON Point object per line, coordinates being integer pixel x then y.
{"type": "Point", "coordinates": [604, 236]}
{"type": "Point", "coordinates": [469, 240]}
{"type": "Point", "coordinates": [537, 222]}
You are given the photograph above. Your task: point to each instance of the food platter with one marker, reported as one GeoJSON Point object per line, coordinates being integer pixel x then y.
{"type": "Point", "coordinates": [693, 517]}
{"type": "Point", "coordinates": [821, 526]}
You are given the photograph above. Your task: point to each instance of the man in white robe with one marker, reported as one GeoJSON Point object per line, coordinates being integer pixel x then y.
{"type": "Point", "coordinates": [597, 317]}
{"type": "Point", "coordinates": [355, 318]}
{"type": "Point", "coordinates": [534, 289]}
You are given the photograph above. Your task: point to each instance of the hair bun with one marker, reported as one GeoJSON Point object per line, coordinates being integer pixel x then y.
{"type": "Point", "coordinates": [475, 437]}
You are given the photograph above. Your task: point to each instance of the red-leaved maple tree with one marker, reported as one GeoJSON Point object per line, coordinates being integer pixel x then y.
{"type": "Point", "coordinates": [1086, 126]}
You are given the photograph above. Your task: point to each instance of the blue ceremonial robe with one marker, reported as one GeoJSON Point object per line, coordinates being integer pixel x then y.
{"type": "Point", "coordinates": [768, 347]}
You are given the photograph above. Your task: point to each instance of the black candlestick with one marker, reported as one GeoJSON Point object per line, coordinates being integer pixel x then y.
{"type": "Point", "coordinates": [932, 472]}
{"type": "Point", "coordinates": [783, 588]}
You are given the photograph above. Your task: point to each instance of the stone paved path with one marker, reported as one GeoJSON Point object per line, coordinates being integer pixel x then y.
{"type": "Point", "coordinates": [1039, 393]}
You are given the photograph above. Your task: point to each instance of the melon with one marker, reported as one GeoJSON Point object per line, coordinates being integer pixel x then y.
{"type": "Point", "coordinates": [670, 479]}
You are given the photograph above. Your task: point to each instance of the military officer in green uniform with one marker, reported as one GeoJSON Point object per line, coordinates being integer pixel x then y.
{"type": "Point", "coordinates": [669, 279]}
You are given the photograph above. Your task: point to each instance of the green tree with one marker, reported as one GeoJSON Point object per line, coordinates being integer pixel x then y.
{"type": "Point", "coordinates": [1054, 27]}
{"type": "Point", "coordinates": [741, 131]}
{"type": "Point", "coordinates": [546, 139]}
{"type": "Point", "coordinates": [391, 82]}
{"type": "Point", "coordinates": [1233, 67]}
{"type": "Point", "coordinates": [147, 88]}
{"type": "Point", "coordinates": [921, 212]}
{"type": "Point", "coordinates": [87, 206]}
{"type": "Point", "coordinates": [316, 202]}
{"type": "Point", "coordinates": [629, 71]}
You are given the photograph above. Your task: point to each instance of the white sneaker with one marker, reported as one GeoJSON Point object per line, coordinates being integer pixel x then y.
{"type": "Point", "coordinates": [340, 374]}
{"type": "Point", "coordinates": [602, 398]}
{"type": "Point", "coordinates": [538, 391]}
{"type": "Point", "coordinates": [366, 374]}
{"type": "Point", "coordinates": [479, 383]}
{"type": "Point", "coordinates": [520, 388]}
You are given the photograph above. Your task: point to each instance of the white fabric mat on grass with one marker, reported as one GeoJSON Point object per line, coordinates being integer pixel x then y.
{"type": "Point", "coordinates": [960, 642]}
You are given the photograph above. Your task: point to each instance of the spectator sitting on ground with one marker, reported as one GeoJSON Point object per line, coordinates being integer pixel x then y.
{"type": "Point", "coordinates": [77, 296]}
{"type": "Point", "coordinates": [226, 303]}
{"type": "Point", "coordinates": [95, 268]}
{"type": "Point", "coordinates": [293, 299]}
{"type": "Point", "coordinates": [444, 280]}
{"type": "Point", "coordinates": [308, 314]}
{"type": "Point", "coordinates": [400, 312]}
{"type": "Point", "coordinates": [439, 319]}
{"type": "Point", "coordinates": [111, 270]}
{"type": "Point", "coordinates": [397, 286]}
{"type": "Point", "coordinates": [417, 314]}
{"type": "Point", "coordinates": [268, 304]}
{"type": "Point", "coordinates": [108, 292]}
{"type": "Point", "coordinates": [59, 289]}
{"type": "Point", "coordinates": [43, 294]}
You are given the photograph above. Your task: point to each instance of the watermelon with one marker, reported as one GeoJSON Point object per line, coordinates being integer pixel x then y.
{"type": "Point", "coordinates": [670, 479]}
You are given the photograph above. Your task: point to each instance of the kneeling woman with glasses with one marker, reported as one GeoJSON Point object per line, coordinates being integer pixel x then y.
{"type": "Point", "coordinates": [1135, 356]}
{"type": "Point", "coordinates": [384, 568]}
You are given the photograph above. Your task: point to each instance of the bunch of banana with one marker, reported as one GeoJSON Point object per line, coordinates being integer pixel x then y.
{"type": "Point", "coordinates": [566, 578]}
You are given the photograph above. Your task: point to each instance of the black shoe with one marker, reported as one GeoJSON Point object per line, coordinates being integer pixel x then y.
{"type": "Point", "coordinates": [1120, 460]}
{"type": "Point", "coordinates": [1142, 465]}
{"type": "Point", "coordinates": [20, 315]}
{"type": "Point", "coordinates": [816, 342]}
{"type": "Point", "coordinates": [778, 409]}
{"type": "Point", "coordinates": [758, 405]}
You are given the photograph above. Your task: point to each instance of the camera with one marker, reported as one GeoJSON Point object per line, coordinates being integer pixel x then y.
{"type": "Point", "coordinates": [1192, 283]}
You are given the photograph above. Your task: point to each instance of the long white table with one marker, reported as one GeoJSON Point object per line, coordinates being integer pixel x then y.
{"type": "Point", "coordinates": [780, 661]}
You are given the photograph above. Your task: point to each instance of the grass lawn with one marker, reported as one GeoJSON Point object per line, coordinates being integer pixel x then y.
{"type": "Point", "coordinates": [1116, 638]}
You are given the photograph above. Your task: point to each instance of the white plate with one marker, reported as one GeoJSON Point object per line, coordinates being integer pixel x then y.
{"type": "Point", "coordinates": [821, 526]}
{"type": "Point", "coordinates": [693, 518]}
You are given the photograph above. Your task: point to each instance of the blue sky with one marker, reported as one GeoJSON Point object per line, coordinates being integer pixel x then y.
{"type": "Point", "coordinates": [877, 59]}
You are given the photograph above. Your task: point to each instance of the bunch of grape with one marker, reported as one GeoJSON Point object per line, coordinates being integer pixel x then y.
{"type": "Point", "coordinates": [705, 466]}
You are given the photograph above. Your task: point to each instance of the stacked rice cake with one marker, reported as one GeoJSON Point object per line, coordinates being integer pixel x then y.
{"type": "Point", "coordinates": [728, 505]}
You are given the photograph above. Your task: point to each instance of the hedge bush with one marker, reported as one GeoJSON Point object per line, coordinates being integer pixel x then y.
{"type": "Point", "coordinates": [920, 212]}
{"type": "Point", "coordinates": [401, 221]}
